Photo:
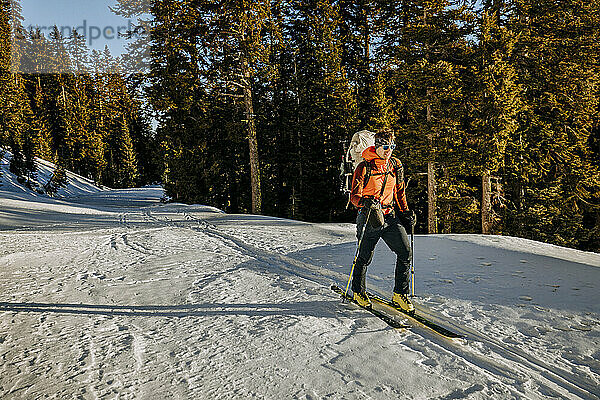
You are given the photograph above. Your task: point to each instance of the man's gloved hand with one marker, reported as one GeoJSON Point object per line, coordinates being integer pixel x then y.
{"type": "Point", "coordinates": [409, 218]}
{"type": "Point", "coordinates": [373, 208]}
{"type": "Point", "coordinates": [370, 202]}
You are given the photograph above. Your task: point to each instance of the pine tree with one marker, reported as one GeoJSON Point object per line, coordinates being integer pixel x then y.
{"type": "Point", "coordinates": [143, 139]}
{"type": "Point", "coordinates": [30, 140]}
{"type": "Point", "coordinates": [69, 90]}
{"type": "Point", "coordinates": [57, 181]}
{"type": "Point", "coordinates": [114, 118]}
{"type": "Point", "coordinates": [327, 110]}
{"type": "Point", "coordinates": [360, 29]}
{"type": "Point", "coordinates": [5, 70]}
{"type": "Point", "coordinates": [37, 58]}
{"type": "Point", "coordinates": [19, 117]}
{"type": "Point", "coordinates": [38, 62]}
{"type": "Point", "coordinates": [557, 59]}
{"type": "Point", "coordinates": [19, 132]}
{"type": "Point", "coordinates": [16, 118]}
{"type": "Point", "coordinates": [135, 63]}
{"type": "Point", "coordinates": [125, 162]}
{"type": "Point", "coordinates": [236, 38]}
{"type": "Point", "coordinates": [100, 114]}
{"type": "Point", "coordinates": [191, 173]}
{"type": "Point", "coordinates": [56, 92]}
{"type": "Point", "coordinates": [40, 124]}
{"type": "Point", "coordinates": [495, 104]}
{"type": "Point", "coordinates": [210, 45]}
{"type": "Point", "coordinates": [424, 52]}
{"type": "Point", "coordinates": [278, 123]}
{"type": "Point", "coordinates": [139, 39]}
{"type": "Point", "coordinates": [33, 65]}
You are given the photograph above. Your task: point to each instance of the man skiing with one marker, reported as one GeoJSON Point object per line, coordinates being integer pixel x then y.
{"type": "Point", "coordinates": [378, 192]}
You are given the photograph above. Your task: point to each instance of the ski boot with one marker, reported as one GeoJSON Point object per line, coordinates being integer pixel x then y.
{"type": "Point", "coordinates": [362, 299]}
{"type": "Point", "coordinates": [402, 301]}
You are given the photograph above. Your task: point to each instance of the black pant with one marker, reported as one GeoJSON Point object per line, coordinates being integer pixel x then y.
{"type": "Point", "coordinates": [394, 235]}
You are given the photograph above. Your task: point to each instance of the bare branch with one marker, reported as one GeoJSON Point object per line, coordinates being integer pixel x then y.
{"type": "Point", "coordinates": [240, 85]}
{"type": "Point", "coordinates": [239, 96]}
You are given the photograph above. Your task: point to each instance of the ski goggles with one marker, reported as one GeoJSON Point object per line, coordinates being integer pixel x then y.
{"type": "Point", "coordinates": [388, 146]}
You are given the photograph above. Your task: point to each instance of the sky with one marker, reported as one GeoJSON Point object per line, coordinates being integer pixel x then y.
{"type": "Point", "coordinates": [91, 17]}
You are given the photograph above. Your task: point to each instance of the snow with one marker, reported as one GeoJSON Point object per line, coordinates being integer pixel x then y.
{"type": "Point", "coordinates": [110, 293]}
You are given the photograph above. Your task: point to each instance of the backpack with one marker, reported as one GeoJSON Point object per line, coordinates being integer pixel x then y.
{"type": "Point", "coordinates": [353, 156]}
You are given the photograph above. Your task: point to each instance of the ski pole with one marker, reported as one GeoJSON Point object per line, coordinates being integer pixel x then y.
{"type": "Point", "coordinates": [412, 261]}
{"type": "Point", "coordinates": [362, 233]}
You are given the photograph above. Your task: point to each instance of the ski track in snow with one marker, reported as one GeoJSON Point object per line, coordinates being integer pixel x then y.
{"type": "Point", "coordinates": [185, 302]}
{"type": "Point", "coordinates": [522, 366]}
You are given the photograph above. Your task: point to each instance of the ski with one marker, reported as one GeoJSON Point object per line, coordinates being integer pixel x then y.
{"type": "Point", "coordinates": [440, 330]}
{"type": "Point", "coordinates": [379, 314]}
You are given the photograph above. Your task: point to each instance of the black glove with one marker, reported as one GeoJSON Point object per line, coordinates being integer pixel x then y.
{"type": "Point", "coordinates": [370, 202]}
{"type": "Point", "coordinates": [408, 219]}
{"type": "Point", "coordinates": [373, 208]}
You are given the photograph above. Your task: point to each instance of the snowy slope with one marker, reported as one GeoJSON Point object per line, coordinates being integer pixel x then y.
{"type": "Point", "coordinates": [16, 198]}
{"type": "Point", "coordinates": [77, 185]}
{"type": "Point", "coordinates": [111, 294]}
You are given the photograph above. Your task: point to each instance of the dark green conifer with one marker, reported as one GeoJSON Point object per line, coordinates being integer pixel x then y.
{"type": "Point", "coordinates": [57, 181]}
{"type": "Point", "coordinates": [327, 111]}
{"type": "Point", "coordinates": [557, 61]}
{"type": "Point", "coordinates": [423, 54]}
{"type": "Point", "coordinates": [495, 101]}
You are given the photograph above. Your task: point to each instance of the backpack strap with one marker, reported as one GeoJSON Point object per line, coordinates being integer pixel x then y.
{"type": "Point", "coordinates": [398, 169]}
{"type": "Point", "coordinates": [368, 167]}
{"type": "Point", "coordinates": [396, 165]}
{"type": "Point", "coordinates": [387, 169]}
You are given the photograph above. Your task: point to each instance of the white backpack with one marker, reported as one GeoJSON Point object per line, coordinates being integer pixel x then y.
{"type": "Point", "coordinates": [353, 156]}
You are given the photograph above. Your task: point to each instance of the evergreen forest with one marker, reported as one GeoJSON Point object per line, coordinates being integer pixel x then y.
{"type": "Point", "coordinates": [246, 105]}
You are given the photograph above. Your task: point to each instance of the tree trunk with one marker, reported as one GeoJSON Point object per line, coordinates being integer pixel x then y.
{"type": "Point", "coordinates": [298, 180]}
{"type": "Point", "coordinates": [486, 203]}
{"type": "Point", "coordinates": [431, 181]}
{"type": "Point", "coordinates": [366, 64]}
{"type": "Point", "coordinates": [431, 198]}
{"type": "Point", "coordinates": [252, 142]}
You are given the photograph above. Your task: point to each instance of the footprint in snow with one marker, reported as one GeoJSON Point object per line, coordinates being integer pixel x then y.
{"type": "Point", "coordinates": [582, 328]}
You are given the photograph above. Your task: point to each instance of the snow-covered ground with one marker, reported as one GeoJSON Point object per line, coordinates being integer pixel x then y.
{"type": "Point", "coordinates": [111, 294]}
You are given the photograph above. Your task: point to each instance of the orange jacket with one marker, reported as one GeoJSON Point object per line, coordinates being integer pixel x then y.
{"type": "Point", "coordinates": [394, 188]}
